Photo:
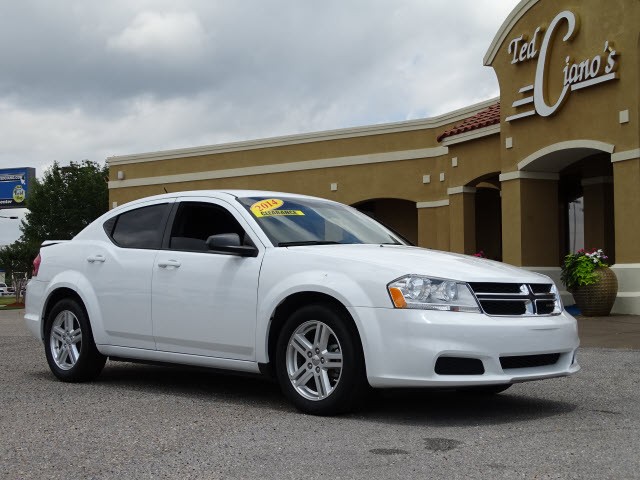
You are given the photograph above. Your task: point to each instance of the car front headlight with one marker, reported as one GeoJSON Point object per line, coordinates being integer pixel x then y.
{"type": "Point", "coordinates": [428, 293]}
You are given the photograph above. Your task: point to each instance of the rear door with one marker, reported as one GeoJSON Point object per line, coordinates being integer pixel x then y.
{"type": "Point", "coordinates": [204, 303]}
{"type": "Point", "coordinates": [120, 270]}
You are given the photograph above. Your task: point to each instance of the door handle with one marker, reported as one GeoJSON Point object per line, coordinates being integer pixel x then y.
{"type": "Point", "coordinates": [96, 258]}
{"type": "Point", "coordinates": [169, 263]}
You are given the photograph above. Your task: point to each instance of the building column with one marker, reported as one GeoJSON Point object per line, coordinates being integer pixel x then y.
{"type": "Point", "coordinates": [462, 219]}
{"type": "Point", "coordinates": [598, 214]}
{"type": "Point", "coordinates": [530, 219]}
{"type": "Point", "coordinates": [433, 224]}
{"type": "Point", "coordinates": [626, 185]}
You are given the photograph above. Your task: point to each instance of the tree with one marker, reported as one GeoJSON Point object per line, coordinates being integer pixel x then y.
{"type": "Point", "coordinates": [17, 257]}
{"type": "Point", "coordinates": [65, 201]}
{"type": "Point", "coordinates": [17, 260]}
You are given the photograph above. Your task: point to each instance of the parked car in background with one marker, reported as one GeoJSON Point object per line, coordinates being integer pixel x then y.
{"type": "Point", "coordinates": [312, 291]}
{"type": "Point", "coordinates": [4, 290]}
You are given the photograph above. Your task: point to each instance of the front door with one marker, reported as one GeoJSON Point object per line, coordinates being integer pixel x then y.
{"type": "Point", "coordinates": [204, 303]}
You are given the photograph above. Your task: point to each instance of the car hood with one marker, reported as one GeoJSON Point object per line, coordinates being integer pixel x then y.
{"type": "Point", "coordinates": [401, 260]}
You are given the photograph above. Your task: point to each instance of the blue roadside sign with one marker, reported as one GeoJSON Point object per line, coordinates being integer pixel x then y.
{"type": "Point", "coordinates": [14, 186]}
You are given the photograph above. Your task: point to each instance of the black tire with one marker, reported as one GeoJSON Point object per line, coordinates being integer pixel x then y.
{"type": "Point", "coordinates": [485, 390]}
{"type": "Point", "coordinates": [345, 388]}
{"type": "Point", "coordinates": [71, 358]}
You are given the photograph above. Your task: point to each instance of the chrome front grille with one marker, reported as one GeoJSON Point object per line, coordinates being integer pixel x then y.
{"type": "Point", "coordinates": [517, 299]}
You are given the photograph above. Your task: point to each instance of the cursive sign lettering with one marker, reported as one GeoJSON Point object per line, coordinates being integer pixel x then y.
{"type": "Point", "coordinates": [576, 75]}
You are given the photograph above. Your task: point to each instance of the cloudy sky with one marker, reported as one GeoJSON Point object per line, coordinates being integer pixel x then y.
{"type": "Point", "coordinates": [85, 79]}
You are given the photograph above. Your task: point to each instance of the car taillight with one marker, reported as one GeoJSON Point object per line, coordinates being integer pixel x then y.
{"type": "Point", "coordinates": [36, 266]}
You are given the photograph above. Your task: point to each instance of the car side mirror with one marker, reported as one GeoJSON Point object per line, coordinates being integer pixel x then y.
{"type": "Point", "coordinates": [230, 243]}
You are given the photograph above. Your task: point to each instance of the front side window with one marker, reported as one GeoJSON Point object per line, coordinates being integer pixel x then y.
{"type": "Point", "coordinates": [195, 222]}
{"type": "Point", "coordinates": [303, 221]}
{"type": "Point", "coordinates": [139, 228]}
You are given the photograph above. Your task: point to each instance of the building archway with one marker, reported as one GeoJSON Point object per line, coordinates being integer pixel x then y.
{"type": "Point", "coordinates": [483, 216]}
{"type": "Point", "coordinates": [400, 215]}
{"type": "Point", "coordinates": [489, 219]}
{"type": "Point", "coordinates": [587, 205]}
{"type": "Point", "coordinates": [585, 193]}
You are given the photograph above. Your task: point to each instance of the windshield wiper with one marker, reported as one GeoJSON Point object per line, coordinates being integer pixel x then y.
{"type": "Point", "coordinates": [307, 242]}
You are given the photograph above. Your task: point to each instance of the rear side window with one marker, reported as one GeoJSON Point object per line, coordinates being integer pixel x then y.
{"type": "Point", "coordinates": [139, 228]}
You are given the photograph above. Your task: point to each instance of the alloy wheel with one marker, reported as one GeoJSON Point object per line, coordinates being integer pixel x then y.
{"type": "Point", "coordinates": [314, 360]}
{"type": "Point", "coordinates": [65, 340]}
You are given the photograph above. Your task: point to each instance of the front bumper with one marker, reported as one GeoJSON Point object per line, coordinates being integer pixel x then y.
{"type": "Point", "coordinates": [401, 347]}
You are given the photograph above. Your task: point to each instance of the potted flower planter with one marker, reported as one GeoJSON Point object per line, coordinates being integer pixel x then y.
{"type": "Point", "coordinates": [592, 283]}
{"type": "Point", "coordinates": [596, 300]}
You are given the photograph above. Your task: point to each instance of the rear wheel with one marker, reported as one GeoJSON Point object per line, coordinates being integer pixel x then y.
{"type": "Point", "coordinates": [319, 361]}
{"type": "Point", "coordinates": [71, 352]}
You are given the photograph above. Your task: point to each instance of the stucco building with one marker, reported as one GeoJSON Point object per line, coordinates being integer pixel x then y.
{"type": "Point", "coordinates": [550, 166]}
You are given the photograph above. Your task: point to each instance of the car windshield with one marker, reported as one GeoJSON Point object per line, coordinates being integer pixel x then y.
{"type": "Point", "coordinates": [291, 221]}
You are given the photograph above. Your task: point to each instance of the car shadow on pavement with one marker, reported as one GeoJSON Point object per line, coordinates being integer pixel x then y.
{"type": "Point", "coordinates": [194, 382]}
{"type": "Point", "coordinates": [450, 408]}
{"type": "Point", "coordinates": [204, 385]}
{"type": "Point", "coordinates": [406, 406]}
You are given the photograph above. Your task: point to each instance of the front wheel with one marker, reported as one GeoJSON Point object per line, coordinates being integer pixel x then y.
{"type": "Point", "coordinates": [319, 361]}
{"type": "Point", "coordinates": [71, 352]}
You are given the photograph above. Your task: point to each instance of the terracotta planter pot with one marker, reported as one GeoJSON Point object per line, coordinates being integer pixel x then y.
{"type": "Point", "coordinates": [597, 300]}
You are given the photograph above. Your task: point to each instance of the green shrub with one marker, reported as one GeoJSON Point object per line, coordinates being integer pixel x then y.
{"type": "Point", "coordinates": [579, 268]}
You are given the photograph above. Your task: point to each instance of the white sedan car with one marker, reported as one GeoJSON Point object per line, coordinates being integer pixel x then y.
{"type": "Point", "coordinates": [311, 291]}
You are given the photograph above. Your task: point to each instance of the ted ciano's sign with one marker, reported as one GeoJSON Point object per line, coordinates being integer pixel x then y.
{"type": "Point", "coordinates": [599, 68]}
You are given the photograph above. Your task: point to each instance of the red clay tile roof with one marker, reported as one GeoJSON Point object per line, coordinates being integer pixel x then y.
{"type": "Point", "coordinates": [484, 118]}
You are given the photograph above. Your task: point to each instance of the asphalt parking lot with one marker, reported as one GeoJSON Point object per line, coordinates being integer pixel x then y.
{"type": "Point", "coordinates": [141, 422]}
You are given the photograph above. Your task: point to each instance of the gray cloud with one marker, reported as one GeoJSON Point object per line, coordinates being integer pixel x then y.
{"type": "Point", "coordinates": [88, 79]}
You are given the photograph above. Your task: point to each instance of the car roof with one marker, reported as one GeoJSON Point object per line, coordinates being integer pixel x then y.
{"type": "Point", "coordinates": [234, 193]}
{"type": "Point", "coordinates": [227, 194]}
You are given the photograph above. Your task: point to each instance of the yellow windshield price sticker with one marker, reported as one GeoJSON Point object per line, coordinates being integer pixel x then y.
{"type": "Point", "coordinates": [267, 208]}
{"type": "Point", "coordinates": [274, 213]}
{"type": "Point", "coordinates": [265, 205]}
